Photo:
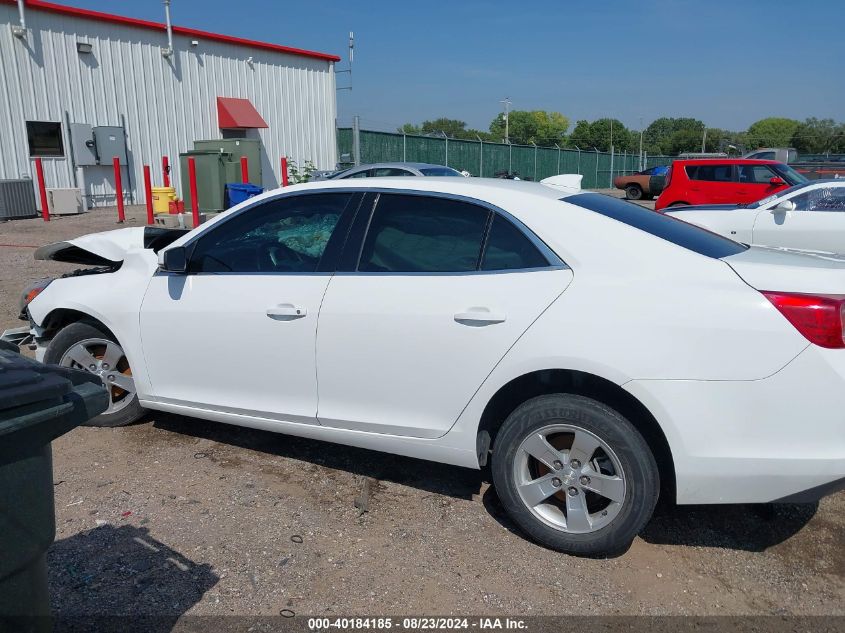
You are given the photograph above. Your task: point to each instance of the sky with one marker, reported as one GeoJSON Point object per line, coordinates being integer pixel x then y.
{"type": "Point", "coordinates": [728, 63]}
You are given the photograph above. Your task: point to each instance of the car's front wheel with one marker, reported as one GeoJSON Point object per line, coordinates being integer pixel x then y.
{"type": "Point", "coordinates": [575, 475]}
{"type": "Point", "coordinates": [84, 346]}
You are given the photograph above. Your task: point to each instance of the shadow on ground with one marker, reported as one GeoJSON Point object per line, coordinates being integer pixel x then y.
{"type": "Point", "coordinates": [442, 479]}
{"type": "Point", "coordinates": [121, 579]}
{"type": "Point", "coordinates": [752, 528]}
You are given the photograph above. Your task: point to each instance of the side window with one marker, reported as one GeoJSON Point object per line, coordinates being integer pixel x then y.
{"type": "Point", "coordinates": [755, 174]}
{"type": "Point", "coordinates": [358, 174]}
{"type": "Point", "coordinates": [391, 171]}
{"type": "Point", "coordinates": [508, 248]}
{"type": "Point", "coordinates": [423, 234]}
{"type": "Point", "coordinates": [763, 156]}
{"type": "Point", "coordinates": [710, 173]}
{"type": "Point", "coordinates": [285, 235]}
{"type": "Point", "coordinates": [825, 199]}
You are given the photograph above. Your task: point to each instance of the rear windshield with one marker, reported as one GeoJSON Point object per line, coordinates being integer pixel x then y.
{"type": "Point", "coordinates": [440, 171]}
{"type": "Point", "coordinates": [666, 227]}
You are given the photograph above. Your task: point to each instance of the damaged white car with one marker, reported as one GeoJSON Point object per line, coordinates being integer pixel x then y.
{"type": "Point", "coordinates": [594, 353]}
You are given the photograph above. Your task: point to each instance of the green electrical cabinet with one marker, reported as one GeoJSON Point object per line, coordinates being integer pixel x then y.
{"type": "Point", "coordinates": [212, 176]}
{"type": "Point", "coordinates": [237, 147]}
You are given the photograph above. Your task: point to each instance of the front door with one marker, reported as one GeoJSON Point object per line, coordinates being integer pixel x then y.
{"type": "Point", "coordinates": [754, 183]}
{"type": "Point", "coordinates": [237, 333]}
{"type": "Point", "coordinates": [425, 312]}
{"type": "Point", "coordinates": [816, 223]}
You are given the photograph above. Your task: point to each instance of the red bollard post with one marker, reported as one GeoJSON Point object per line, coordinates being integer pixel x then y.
{"type": "Point", "coordinates": [118, 190]}
{"type": "Point", "coordinates": [284, 171]}
{"type": "Point", "coordinates": [195, 205]}
{"type": "Point", "coordinates": [165, 168]}
{"type": "Point", "coordinates": [148, 193]}
{"type": "Point", "coordinates": [244, 170]}
{"type": "Point", "coordinates": [42, 189]}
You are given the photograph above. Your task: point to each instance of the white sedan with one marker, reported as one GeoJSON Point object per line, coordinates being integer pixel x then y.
{"type": "Point", "coordinates": [808, 216]}
{"type": "Point", "coordinates": [595, 354]}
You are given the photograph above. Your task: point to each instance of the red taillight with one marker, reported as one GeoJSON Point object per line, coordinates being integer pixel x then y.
{"type": "Point", "coordinates": [819, 318]}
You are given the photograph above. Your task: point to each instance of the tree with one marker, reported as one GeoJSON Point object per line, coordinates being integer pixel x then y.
{"type": "Point", "coordinates": [772, 132]}
{"type": "Point", "coordinates": [531, 126]}
{"type": "Point", "coordinates": [409, 128]}
{"type": "Point", "coordinates": [597, 134]}
{"type": "Point", "coordinates": [819, 136]}
{"type": "Point", "coordinates": [450, 127]}
{"type": "Point", "coordinates": [668, 135]}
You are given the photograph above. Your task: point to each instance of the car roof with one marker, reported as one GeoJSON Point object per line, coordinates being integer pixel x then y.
{"type": "Point", "coordinates": [729, 161]}
{"type": "Point", "coordinates": [398, 164]}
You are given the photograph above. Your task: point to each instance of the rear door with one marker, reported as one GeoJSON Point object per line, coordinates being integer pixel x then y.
{"type": "Point", "coordinates": [817, 223]}
{"type": "Point", "coordinates": [432, 298]}
{"type": "Point", "coordinates": [711, 183]}
{"type": "Point", "coordinates": [754, 183]}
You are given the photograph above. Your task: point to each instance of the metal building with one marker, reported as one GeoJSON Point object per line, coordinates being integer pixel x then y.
{"type": "Point", "coordinates": [78, 86]}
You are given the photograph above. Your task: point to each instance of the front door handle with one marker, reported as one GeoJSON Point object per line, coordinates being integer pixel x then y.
{"type": "Point", "coordinates": [286, 312]}
{"type": "Point", "coordinates": [479, 316]}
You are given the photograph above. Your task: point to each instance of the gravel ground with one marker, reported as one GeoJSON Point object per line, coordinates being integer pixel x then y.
{"type": "Point", "coordinates": [177, 516]}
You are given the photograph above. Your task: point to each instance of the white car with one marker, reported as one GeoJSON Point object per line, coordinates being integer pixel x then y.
{"type": "Point", "coordinates": [594, 353]}
{"type": "Point", "coordinates": [808, 216]}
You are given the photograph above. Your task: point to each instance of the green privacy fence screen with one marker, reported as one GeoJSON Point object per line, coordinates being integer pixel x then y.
{"type": "Point", "coordinates": [486, 159]}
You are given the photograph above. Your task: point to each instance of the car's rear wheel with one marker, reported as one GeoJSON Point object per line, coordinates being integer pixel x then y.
{"type": "Point", "coordinates": [633, 192]}
{"type": "Point", "coordinates": [575, 475]}
{"type": "Point", "coordinates": [84, 346]}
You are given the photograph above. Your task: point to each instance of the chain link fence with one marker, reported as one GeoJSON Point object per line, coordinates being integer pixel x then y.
{"type": "Point", "coordinates": [484, 159]}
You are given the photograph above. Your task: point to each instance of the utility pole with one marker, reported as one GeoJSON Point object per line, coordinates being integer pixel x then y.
{"type": "Point", "coordinates": [641, 144]}
{"type": "Point", "coordinates": [704, 141]}
{"type": "Point", "coordinates": [507, 103]}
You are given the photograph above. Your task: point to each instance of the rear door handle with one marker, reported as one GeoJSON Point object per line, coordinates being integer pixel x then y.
{"type": "Point", "coordinates": [479, 316]}
{"type": "Point", "coordinates": [286, 312]}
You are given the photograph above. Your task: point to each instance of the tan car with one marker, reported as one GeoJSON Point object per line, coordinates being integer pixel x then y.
{"type": "Point", "coordinates": [637, 186]}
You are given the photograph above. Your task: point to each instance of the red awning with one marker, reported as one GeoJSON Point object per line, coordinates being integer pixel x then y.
{"type": "Point", "coordinates": [237, 114]}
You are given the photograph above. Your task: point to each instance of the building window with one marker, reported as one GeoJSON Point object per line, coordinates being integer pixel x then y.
{"type": "Point", "coordinates": [45, 138]}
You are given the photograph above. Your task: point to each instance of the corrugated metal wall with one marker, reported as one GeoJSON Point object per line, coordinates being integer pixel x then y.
{"type": "Point", "coordinates": [486, 159]}
{"type": "Point", "coordinates": [166, 105]}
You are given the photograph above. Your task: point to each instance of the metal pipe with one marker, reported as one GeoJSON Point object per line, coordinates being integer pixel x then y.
{"type": "Point", "coordinates": [167, 52]}
{"type": "Point", "coordinates": [118, 190]}
{"type": "Point", "coordinates": [42, 190]}
{"type": "Point", "coordinates": [20, 30]}
{"type": "Point", "coordinates": [148, 194]}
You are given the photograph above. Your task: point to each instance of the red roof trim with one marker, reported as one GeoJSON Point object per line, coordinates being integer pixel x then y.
{"type": "Point", "coordinates": [238, 114]}
{"type": "Point", "coordinates": [177, 30]}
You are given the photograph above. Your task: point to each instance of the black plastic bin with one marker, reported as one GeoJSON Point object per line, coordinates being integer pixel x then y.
{"type": "Point", "coordinates": [38, 403]}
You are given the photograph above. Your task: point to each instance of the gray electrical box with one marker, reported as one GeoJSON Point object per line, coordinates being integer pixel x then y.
{"type": "Point", "coordinates": [83, 147]}
{"type": "Point", "coordinates": [110, 141]}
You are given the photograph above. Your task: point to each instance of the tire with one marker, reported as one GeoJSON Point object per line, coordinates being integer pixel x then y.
{"type": "Point", "coordinates": [84, 346]}
{"type": "Point", "coordinates": [633, 192]}
{"type": "Point", "coordinates": [621, 461]}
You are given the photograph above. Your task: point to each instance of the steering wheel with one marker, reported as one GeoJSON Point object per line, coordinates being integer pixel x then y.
{"type": "Point", "coordinates": [275, 256]}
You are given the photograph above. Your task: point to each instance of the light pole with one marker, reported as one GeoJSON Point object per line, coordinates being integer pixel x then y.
{"type": "Point", "coordinates": [641, 144]}
{"type": "Point", "coordinates": [507, 103]}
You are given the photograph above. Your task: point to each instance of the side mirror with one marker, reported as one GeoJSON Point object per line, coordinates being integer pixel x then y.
{"type": "Point", "coordinates": [175, 260]}
{"type": "Point", "coordinates": [786, 205]}
{"type": "Point", "coordinates": [777, 181]}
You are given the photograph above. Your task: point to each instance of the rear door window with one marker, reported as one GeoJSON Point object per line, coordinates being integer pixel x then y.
{"type": "Point", "coordinates": [710, 173]}
{"type": "Point", "coordinates": [390, 171]}
{"type": "Point", "coordinates": [508, 248]}
{"type": "Point", "coordinates": [418, 234]}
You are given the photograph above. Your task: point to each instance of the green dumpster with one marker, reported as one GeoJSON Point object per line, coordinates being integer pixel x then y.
{"type": "Point", "coordinates": [38, 403]}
